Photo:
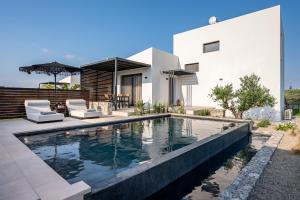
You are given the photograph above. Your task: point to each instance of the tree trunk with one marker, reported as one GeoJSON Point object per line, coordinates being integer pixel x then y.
{"type": "Point", "coordinates": [238, 115]}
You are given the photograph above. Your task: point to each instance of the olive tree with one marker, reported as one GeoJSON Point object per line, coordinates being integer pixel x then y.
{"type": "Point", "coordinates": [251, 94]}
{"type": "Point", "coordinates": [224, 95]}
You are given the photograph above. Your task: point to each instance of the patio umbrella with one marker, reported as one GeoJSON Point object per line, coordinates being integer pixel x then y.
{"type": "Point", "coordinates": [53, 68]}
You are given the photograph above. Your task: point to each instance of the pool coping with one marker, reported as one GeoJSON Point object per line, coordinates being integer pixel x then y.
{"type": "Point", "coordinates": [245, 182]}
{"type": "Point", "coordinates": [118, 121]}
{"type": "Point", "coordinates": [27, 164]}
{"type": "Point", "coordinates": [29, 177]}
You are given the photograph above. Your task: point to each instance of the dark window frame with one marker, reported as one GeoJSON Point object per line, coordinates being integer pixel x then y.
{"type": "Point", "coordinates": [191, 64]}
{"type": "Point", "coordinates": [208, 43]}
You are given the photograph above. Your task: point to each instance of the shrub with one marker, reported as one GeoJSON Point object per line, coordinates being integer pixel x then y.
{"type": "Point", "coordinates": [139, 107]}
{"type": "Point", "coordinates": [180, 110]}
{"type": "Point", "coordinates": [286, 126]}
{"type": "Point", "coordinates": [251, 94]}
{"type": "Point", "coordinates": [296, 112]}
{"type": "Point", "coordinates": [177, 109]}
{"type": "Point", "coordinates": [156, 107]}
{"type": "Point", "coordinates": [263, 123]}
{"type": "Point", "coordinates": [202, 112]}
{"type": "Point", "coordinates": [162, 108]}
{"type": "Point", "coordinates": [148, 108]}
{"type": "Point", "coordinates": [292, 96]}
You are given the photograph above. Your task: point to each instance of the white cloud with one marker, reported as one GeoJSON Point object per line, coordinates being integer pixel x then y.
{"type": "Point", "coordinates": [45, 50]}
{"type": "Point", "coordinates": [69, 56]}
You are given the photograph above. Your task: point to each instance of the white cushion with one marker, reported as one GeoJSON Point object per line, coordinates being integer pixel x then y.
{"type": "Point", "coordinates": [35, 107]}
{"type": "Point", "coordinates": [77, 108]}
{"type": "Point", "coordinates": [76, 104]}
{"type": "Point", "coordinates": [45, 118]}
{"type": "Point", "coordinates": [84, 114]}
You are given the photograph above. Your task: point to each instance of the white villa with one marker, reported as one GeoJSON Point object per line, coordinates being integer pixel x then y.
{"type": "Point", "coordinates": [219, 53]}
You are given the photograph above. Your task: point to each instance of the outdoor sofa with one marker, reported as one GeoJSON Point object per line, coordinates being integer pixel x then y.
{"type": "Point", "coordinates": [77, 108]}
{"type": "Point", "coordinates": [39, 111]}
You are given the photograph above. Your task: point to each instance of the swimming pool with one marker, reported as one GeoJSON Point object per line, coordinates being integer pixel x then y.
{"type": "Point", "coordinates": [211, 178]}
{"type": "Point", "coordinates": [99, 153]}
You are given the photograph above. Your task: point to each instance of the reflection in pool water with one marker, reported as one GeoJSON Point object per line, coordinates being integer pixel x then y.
{"type": "Point", "coordinates": [212, 177]}
{"type": "Point", "coordinates": [97, 153]}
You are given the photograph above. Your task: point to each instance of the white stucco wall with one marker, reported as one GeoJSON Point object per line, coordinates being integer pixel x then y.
{"type": "Point", "coordinates": [155, 87]}
{"type": "Point", "coordinates": [248, 44]}
{"type": "Point", "coordinates": [72, 80]}
{"type": "Point", "coordinates": [144, 57]}
{"type": "Point", "coordinates": [162, 61]}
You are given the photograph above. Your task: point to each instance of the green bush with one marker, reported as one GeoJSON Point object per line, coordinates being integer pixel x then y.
{"type": "Point", "coordinates": [202, 112]}
{"type": "Point", "coordinates": [292, 96]}
{"type": "Point", "coordinates": [156, 107]}
{"type": "Point", "coordinates": [162, 108]}
{"type": "Point", "coordinates": [296, 112]}
{"type": "Point", "coordinates": [264, 123]}
{"type": "Point", "coordinates": [148, 108]}
{"type": "Point", "coordinates": [286, 126]}
{"type": "Point", "coordinates": [139, 108]}
{"type": "Point", "coordinates": [180, 110]}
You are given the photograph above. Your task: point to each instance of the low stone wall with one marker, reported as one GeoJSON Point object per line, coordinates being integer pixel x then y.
{"type": "Point", "coordinates": [216, 112]}
{"type": "Point", "coordinates": [146, 179]}
{"type": "Point", "coordinates": [246, 180]}
{"type": "Point", "coordinates": [104, 107]}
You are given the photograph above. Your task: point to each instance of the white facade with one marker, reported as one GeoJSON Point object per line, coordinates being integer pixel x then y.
{"type": "Point", "coordinates": [155, 87]}
{"type": "Point", "coordinates": [251, 43]}
{"type": "Point", "coordinates": [72, 80]}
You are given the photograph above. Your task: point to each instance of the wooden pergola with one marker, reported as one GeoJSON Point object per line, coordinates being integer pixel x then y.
{"type": "Point", "coordinates": [109, 68]}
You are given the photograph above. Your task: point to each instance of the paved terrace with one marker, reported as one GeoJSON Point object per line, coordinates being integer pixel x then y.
{"type": "Point", "coordinates": [24, 175]}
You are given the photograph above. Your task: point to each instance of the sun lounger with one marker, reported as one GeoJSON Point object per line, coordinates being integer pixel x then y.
{"type": "Point", "coordinates": [77, 108]}
{"type": "Point", "coordinates": [39, 111]}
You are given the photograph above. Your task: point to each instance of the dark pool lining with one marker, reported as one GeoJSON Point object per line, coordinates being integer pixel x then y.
{"type": "Point", "coordinates": [105, 188]}
{"type": "Point", "coordinates": [185, 184]}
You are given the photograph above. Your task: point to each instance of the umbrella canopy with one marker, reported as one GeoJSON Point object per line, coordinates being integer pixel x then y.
{"type": "Point", "coordinates": [54, 68]}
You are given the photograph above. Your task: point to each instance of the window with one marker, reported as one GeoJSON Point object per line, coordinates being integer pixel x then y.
{"type": "Point", "coordinates": [211, 46]}
{"type": "Point", "coordinates": [192, 67]}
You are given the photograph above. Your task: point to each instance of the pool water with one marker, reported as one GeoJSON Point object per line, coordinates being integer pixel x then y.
{"type": "Point", "coordinates": [211, 178]}
{"type": "Point", "coordinates": [98, 153]}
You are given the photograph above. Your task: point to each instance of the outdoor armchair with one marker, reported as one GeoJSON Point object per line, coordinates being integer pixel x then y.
{"type": "Point", "coordinates": [39, 111]}
{"type": "Point", "coordinates": [77, 108]}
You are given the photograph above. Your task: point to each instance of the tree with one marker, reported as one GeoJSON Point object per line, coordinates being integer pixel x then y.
{"type": "Point", "coordinates": [224, 95]}
{"type": "Point", "coordinates": [251, 94]}
{"type": "Point", "coordinates": [49, 86]}
{"type": "Point", "coordinates": [65, 86]}
{"type": "Point", "coordinates": [75, 87]}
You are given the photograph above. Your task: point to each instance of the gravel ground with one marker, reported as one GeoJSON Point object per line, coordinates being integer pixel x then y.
{"type": "Point", "coordinates": [281, 178]}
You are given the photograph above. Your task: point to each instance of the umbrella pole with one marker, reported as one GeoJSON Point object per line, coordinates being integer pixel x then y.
{"type": "Point", "coordinates": [55, 82]}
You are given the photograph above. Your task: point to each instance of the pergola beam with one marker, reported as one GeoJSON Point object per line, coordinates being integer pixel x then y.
{"type": "Point", "coordinates": [115, 83]}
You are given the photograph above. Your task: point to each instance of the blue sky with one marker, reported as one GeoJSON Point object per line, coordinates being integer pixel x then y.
{"type": "Point", "coordinates": [79, 32]}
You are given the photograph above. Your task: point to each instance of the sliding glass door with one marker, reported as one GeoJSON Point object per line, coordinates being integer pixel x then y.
{"type": "Point", "coordinates": [132, 85]}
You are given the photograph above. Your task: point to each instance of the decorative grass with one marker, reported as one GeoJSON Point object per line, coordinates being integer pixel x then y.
{"type": "Point", "coordinates": [202, 112]}
{"type": "Point", "coordinates": [286, 126]}
{"type": "Point", "coordinates": [263, 123]}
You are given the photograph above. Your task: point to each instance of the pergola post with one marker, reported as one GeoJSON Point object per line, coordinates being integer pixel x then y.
{"type": "Point", "coordinates": [115, 83]}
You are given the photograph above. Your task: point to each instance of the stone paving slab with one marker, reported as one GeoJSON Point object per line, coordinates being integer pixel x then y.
{"type": "Point", "coordinates": [246, 180]}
